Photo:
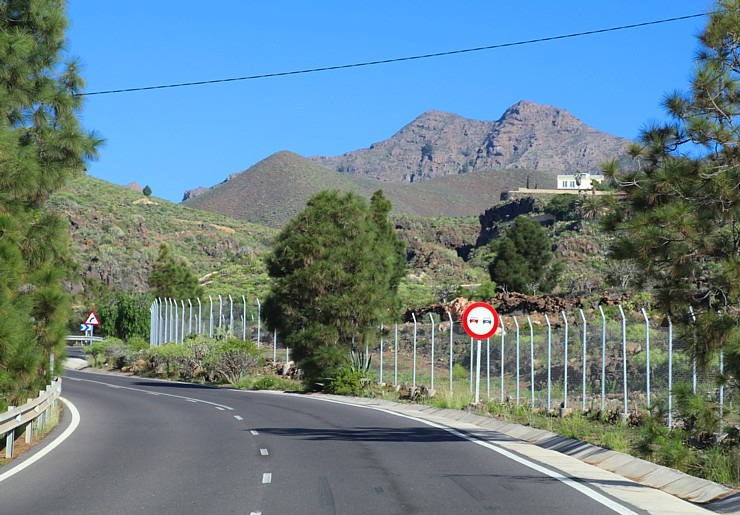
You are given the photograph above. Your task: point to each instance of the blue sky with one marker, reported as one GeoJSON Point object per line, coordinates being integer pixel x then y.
{"type": "Point", "coordinates": [179, 139]}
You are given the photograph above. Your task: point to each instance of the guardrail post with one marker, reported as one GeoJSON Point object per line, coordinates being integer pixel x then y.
{"type": "Point", "coordinates": [9, 439]}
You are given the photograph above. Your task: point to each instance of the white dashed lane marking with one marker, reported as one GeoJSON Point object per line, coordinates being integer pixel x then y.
{"type": "Point", "coordinates": [266, 478]}
{"type": "Point", "coordinates": [254, 433]}
{"type": "Point", "coordinates": [238, 417]}
{"type": "Point", "coordinates": [264, 452]}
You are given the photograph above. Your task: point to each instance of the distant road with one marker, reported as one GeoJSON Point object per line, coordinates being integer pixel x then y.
{"type": "Point", "coordinates": [146, 446]}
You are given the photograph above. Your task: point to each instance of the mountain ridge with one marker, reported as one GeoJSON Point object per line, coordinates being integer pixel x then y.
{"type": "Point", "coordinates": [527, 136]}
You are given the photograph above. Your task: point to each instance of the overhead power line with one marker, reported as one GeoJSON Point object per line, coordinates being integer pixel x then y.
{"type": "Point", "coordinates": [397, 59]}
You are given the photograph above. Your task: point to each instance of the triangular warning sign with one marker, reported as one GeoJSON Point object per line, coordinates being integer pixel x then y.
{"type": "Point", "coordinates": [92, 319]}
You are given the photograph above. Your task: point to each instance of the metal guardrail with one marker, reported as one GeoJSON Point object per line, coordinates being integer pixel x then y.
{"type": "Point", "coordinates": [84, 340]}
{"type": "Point", "coordinates": [32, 416]}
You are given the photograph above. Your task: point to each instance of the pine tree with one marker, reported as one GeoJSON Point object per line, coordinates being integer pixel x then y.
{"type": "Point", "coordinates": [147, 191]}
{"type": "Point", "coordinates": [41, 146]}
{"type": "Point", "coordinates": [524, 258]}
{"type": "Point", "coordinates": [172, 279]}
{"type": "Point", "coordinates": [680, 220]}
{"type": "Point", "coordinates": [336, 268]}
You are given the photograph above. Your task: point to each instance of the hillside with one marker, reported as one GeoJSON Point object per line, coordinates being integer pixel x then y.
{"type": "Point", "coordinates": [116, 233]}
{"type": "Point", "coordinates": [528, 136]}
{"type": "Point", "coordinates": [277, 188]}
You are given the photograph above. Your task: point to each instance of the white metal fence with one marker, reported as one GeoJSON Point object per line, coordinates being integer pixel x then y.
{"type": "Point", "coordinates": [605, 359]}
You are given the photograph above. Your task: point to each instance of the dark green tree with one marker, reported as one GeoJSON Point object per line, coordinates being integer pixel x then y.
{"type": "Point", "coordinates": [524, 258]}
{"type": "Point", "coordinates": [147, 191]}
{"type": "Point", "coordinates": [336, 268]}
{"type": "Point", "coordinates": [125, 315]}
{"type": "Point", "coordinates": [563, 207]}
{"type": "Point", "coordinates": [173, 279]}
{"type": "Point", "coordinates": [41, 146]}
{"type": "Point", "coordinates": [680, 218]}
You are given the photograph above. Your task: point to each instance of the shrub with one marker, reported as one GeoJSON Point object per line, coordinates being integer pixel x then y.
{"type": "Point", "coordinates": [232, 359]}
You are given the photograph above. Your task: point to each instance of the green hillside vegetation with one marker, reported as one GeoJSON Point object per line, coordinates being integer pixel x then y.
{"type": "Point", "coordinates": [278, 187]}
{"type": "Point", "coordinates": [117, 232]}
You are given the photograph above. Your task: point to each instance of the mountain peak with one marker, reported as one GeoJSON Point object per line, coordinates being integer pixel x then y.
{"type": "Point", "coordinates": [528, 135]}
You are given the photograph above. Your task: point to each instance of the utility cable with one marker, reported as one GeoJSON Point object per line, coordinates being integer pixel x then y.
{"type": "Point", "coordinates": [396, 59]}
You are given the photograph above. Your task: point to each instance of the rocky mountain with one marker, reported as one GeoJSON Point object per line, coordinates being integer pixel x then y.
{"type": "Point", "coordinates": [277, 188]}
{"type": "Point", "coordinates": [528, 136]}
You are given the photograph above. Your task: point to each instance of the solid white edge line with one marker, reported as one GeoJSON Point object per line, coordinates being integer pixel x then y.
{"type": "Point", "coordinates": [267, 478]}
{"type": "Point", "coordinates": [53, 445]}
{"type": "Point", "coordinates": [189, 399]}
{"type": "Point", "coordinates": [577, 485]}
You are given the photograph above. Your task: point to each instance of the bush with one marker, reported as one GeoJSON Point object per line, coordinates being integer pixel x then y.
{"type": "Point", "coordinates": [347, 381]}
{"type": "Point", "coordinates": [232, 360]}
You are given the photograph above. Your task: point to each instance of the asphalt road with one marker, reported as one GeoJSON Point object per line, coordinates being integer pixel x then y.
{"type": "Point", "coordinates": [146, 446]}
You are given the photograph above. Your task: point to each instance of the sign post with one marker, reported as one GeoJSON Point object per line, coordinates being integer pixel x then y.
{"type": "Point", "coordinates": [90, 322]}
{"type": "Point", "coordinates": [480, 321]}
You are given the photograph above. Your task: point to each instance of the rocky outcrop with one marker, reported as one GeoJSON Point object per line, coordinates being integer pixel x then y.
{"type": "Point", "coordinates": [528, 136]}
{"type": "Point", "coordinates": [194, 193]}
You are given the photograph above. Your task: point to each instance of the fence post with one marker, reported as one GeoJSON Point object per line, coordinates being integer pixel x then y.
{"type": "Point", "coordinates": [182, 327]}
{"type": "Point", "coordinates": [624, 358]}
{"type": "Point", "coordinates": [721, 387]}
{"type": "Point", "coordinates": [531, 358]}
{"type": "Point", "coordinates": [200, 316]}
{"type": "Point", "coordinates": [231, 313]}
{"type": "Point", "coordinates": [670, 371]}
{"type": "Point", "coordinates": [488, 368]}
{"type": "Point", "coordinates": [565, 362]}
{"type": "Point", "coordinates": [549, 362]}
{"type": "Point", "coordinates": [451, 324]}
{"type": "Point", "coordinates": [259, 322]}
{"type": "Point", "coordinates": [210, 319]}
{"type": "Point", "coordinates": [381, 352]}
{"type": "Point", "coordinates": [414, 358]}
{"type": "Point", "coordinates": [503, 334]}
{"type": "Point", "coordinates": [693, 352]}
{"type": "Point", "coordinates": [647, 357]}
{"type": "Point", "coordinates": [516, 323]}
{"type": "Point", "coordinates": [431, 385]}
{"type": "Point", "coordinates": [175, 319]}
{"type": "Point", "coordinates": [395, 355]}
{"type": "Point", "coordinates": [220, 310]}
{"type": "Point", "coordinates": [244, 319]}
{"type": "Point", "coordinates": [603, 357]}
{"type": "Point", "coordinates": [583, 365]}
{"type": "Point", "coordinates": [190, 317]}
{"type": "Point", "coordinates": [471, 365]}
{"type": "Point", "coordinates": [274, 345]}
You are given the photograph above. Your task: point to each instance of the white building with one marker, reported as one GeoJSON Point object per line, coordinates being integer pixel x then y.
{"type": "Point", "coordinates": [578, 182]}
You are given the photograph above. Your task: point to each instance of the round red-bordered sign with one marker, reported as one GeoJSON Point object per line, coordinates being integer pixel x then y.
{"type": "Point", "coordinates": [480, 320]}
